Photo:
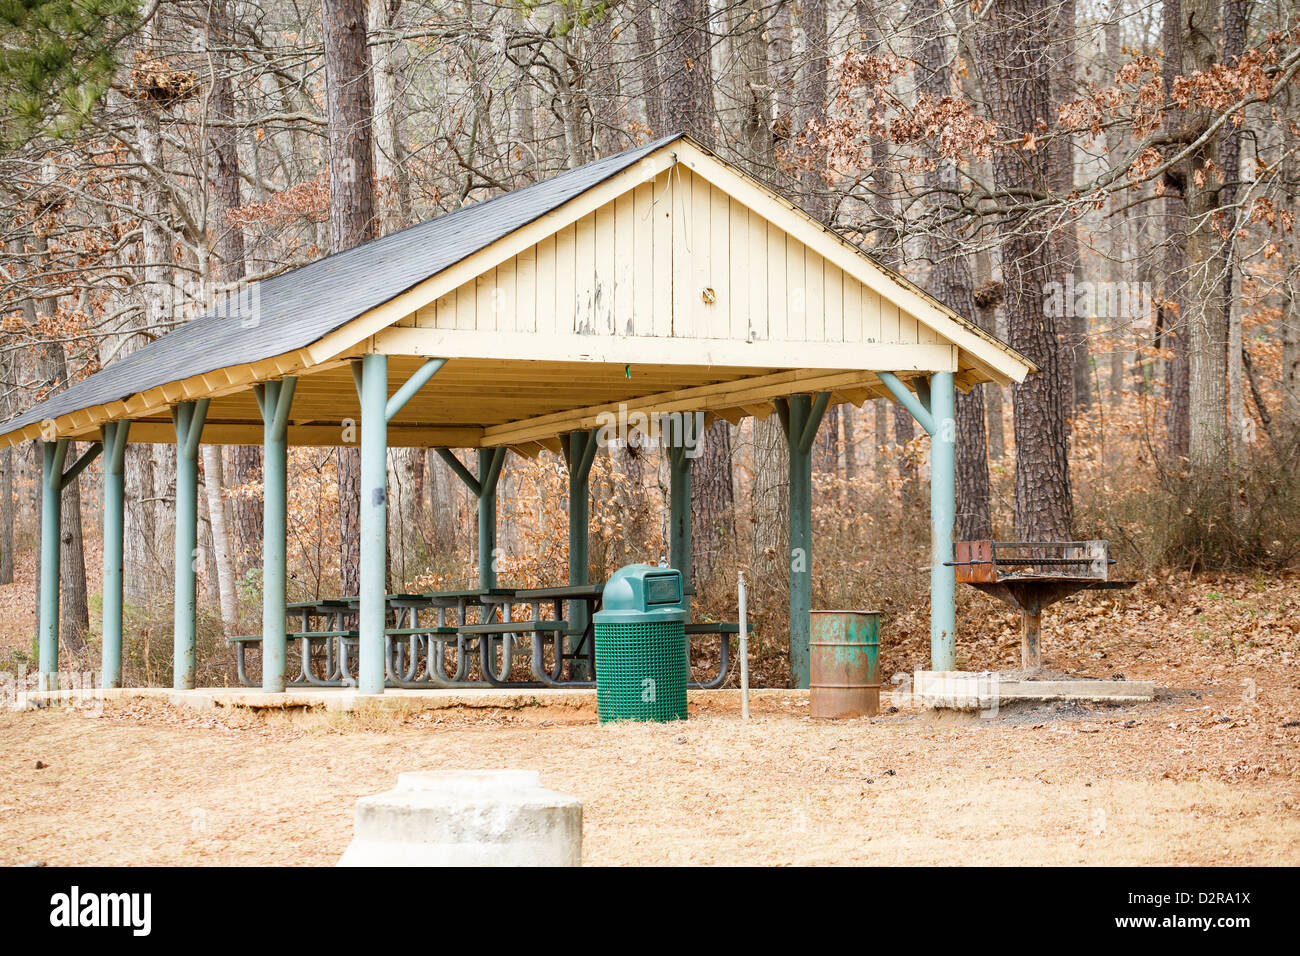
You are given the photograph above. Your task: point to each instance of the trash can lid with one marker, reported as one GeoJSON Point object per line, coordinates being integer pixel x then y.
{"type": "Point", "coordinates": [642, 589]}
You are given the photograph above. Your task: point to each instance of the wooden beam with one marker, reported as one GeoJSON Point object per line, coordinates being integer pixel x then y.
{"type": "Point", "coordinates": [528, 450]}
{"type": "Point", "coordinates": [399, 436]}
{"type": "Point", "coordinates": [707, 398]}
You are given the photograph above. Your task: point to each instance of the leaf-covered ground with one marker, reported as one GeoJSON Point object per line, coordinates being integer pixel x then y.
{"type": "Point", "coordinates": [1208, 773]}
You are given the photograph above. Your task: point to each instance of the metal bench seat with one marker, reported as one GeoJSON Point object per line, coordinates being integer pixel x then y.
{"type": "Point", "coordinates": [724, 630]}
{"type": "Point", "coordinates": [513, 627]}
{"type": "Point", "coordinates": [305, 677]}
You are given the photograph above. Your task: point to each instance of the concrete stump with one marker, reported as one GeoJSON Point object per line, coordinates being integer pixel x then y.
{"type": "Point", "coordinates": [467, 818]}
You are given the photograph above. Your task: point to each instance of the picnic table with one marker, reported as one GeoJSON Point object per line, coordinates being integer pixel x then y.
{"type": "Point", "coordinates": [336, 642]}
{"type": "Point", "coordinates": [416, 651]}
{"type": "Point", "coordinates": [500, 636]}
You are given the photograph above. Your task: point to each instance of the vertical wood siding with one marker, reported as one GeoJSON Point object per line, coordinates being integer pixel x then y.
{"type": "Point", "coordinates": [675, 257]}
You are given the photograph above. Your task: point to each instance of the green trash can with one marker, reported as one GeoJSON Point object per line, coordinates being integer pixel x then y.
{"type": "Point", "coordinates": [641, 653]}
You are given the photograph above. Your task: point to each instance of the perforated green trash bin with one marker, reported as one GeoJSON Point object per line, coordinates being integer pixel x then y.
{"type": "Point", "coordinates": [641, 652]}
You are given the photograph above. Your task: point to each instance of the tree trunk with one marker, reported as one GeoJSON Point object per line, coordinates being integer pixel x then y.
{"type": "Point", "coordinates": [647, 57]}
{"type": "Point", "coordinates": [8, 382]}
{"type": "Point", "coordinates": [7, 515]}
{"type": "Point", "coordinates": [880, 429]}
{"type": "Point", "coordinates": [148, 468]}
{"type": "Point", "coordinates": [1117, 271]}
{"type": "Point", "coordinates": [749, 89]}
{"type": "Point", "coordinates": [404, 526]}
{"type": "Point", "coordinates": [988, 297]}
{"type": "Point", "coordinates": [608, 134]}
{"type": "Point", "coordinates": [688, 74]}
{"type": "Point", "coordinates": [74, 610]}
{"type": "Point", "coordinates": [393, 190]}
{"type": "Point", "coordinates": [1172, 329]}
{"type": "Point", "coordinates": [812, 104]}
{"type": "Point", "coordinates": [1234, 41]}
{"type": "Point", "coordinates": [352, 213]}
{"type": "Point", "coordinates": [348, 102]}
{"type": "Point", "coordinates": [213, 480]}
{"type": "Point", "coordinates": [849, 442]}
{"type": "Point", "coordinates": [781, 44]}
{"type": "Point", "coordinates": [904, 432]}
{"type": "Point", "coordinates": [712, 499]}
{"type": "Point", "coordinates": [1205, 306]}
{"type": "Point", "coordinates": [1289, 318]}
{"type": "Point", "coordinates": [1016, 72]}
{"type": "Point", "coordinates": [826, 451]}
{"type": "Point", "coordinates": [246, 468]}
{"type": "Point", "coordinates": [1077, 364]}
{"type": "Point", "coordinates": [224, 140]}
{"type": "Point", "coordinates": [635, 520]}
{"type": "Point", "coordinates": [770, 497]}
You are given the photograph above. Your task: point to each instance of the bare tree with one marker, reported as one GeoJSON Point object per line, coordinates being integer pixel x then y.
{"type": "Point", "coordinates": [1015, 42]}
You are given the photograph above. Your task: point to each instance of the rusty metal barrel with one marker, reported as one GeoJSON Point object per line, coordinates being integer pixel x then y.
{"type": "Point", "coordinates": [844, 672]}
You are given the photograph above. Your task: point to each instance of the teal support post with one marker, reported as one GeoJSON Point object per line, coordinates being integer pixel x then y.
{"type": "Point", "coordinates": [917, 404]}
{"type": "Point", "coordinates": [187, 420]}
{"type": "Point", "coordinates": [800, 416]}
{"type": "Point", "coordinates": [489, 470]}
{"type": "Point", "coordinates": [274, 399]}
{"type": "Point", "coordinates": [682, 445]}
{"type": "Point", "coordinates": [484, 488]}
{"type": "Point", "coordinates": [374, 520]}
{"type": "Point", "coordinates": [114, 440]}
{"type": "Point", "coordinates": [412, 385]}
{"type": "Point", "coordinates": [934, 407]}
{"type": "Point", "coordinates": [459, 470]}
{"type": "Point", "coordinates": [53, 454]}
{"type": "Point", "coordinates": [943, 513]}
{"type": "Point", "coordinates": [579, 453]}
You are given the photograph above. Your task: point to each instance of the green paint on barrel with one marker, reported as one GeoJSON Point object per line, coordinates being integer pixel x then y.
{"type": "Point", "coordinates": [641, 652]}
{"type": "Point", "coordinates": [844, 664]}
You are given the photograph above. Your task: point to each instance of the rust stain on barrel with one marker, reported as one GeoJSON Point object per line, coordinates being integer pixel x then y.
{"type": "Point", "coordinates": [844, 653]}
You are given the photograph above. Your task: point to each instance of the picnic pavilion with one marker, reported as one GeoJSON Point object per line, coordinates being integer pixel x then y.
{"type": "Point", "coordinates": [657, 281]}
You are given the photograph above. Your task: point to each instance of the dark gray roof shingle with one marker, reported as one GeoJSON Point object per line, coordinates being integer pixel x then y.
{"type": "Point", "coordinates": [300, 306]}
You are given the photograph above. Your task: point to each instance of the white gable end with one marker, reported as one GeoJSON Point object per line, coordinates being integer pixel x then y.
{"type": "Point", "coordinates": [674, 257]}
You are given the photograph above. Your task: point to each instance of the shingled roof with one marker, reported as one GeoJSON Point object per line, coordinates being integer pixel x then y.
{"type": "Point", "coordinates": [300, 306]}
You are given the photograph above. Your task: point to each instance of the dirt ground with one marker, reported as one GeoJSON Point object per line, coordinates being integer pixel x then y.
{"type": "Point", "coordinates": [1170, 782]}
{"type": "Point", "coordinates": [1209, 773]}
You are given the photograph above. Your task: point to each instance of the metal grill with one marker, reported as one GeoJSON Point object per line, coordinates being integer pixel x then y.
{"type": "Point", "coordinates": [1031, 575]}
{"type": "Point", "coordinates": [989, 562]}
